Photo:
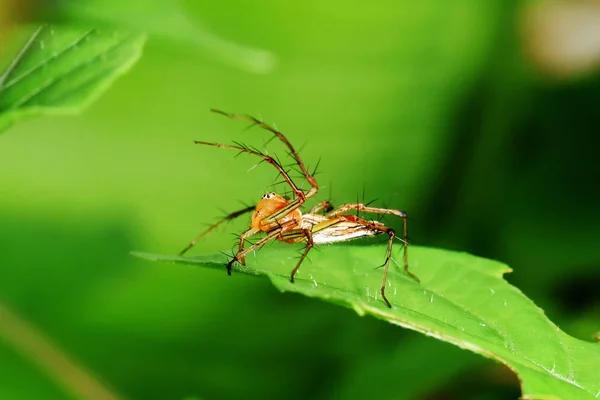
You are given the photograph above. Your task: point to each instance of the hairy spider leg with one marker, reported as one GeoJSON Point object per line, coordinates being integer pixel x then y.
{"type": "Point", "coordinates": [290, 205]}
{"type": "Point", "coordinates": [361, 207]}
{"type": "Point", "coordinates": [309, 177]}
{"type": "Point", "coordinates": [265, 157]}
{"type": "Point", "coordinates": [386, 264]}
{"type": "Point", "coordinates": [241, 254]}
{"type": "Point", "coordinates": [309, 245]}
{"type": "Point", "coordinates": [324, 206]}
{"type": "Point", "coordinates": [298, 236]}
{"type": "Point", "coordinates": [312, 225]}
{"type": "Point", "coordinates": [341, 228]}
{"type": "Point", "coordinates": [372, 226]}
{"type": "Point", "coordinates": [229, 217]}
{"type": "Point", "coordinates": [243, 237]}
{"type": "Point", "coordinates": [301, 197]}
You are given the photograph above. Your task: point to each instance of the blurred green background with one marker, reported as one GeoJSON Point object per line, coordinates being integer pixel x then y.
{"type": "Point", "coordinates": [431, 107]}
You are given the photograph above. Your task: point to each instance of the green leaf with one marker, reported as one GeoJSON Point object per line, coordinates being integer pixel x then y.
{"type": "Point", "coordinates": [462, 299]}
{"type": "Point", "coordinates": [167, 19]}
{"type": "Point", "coordinates": [61, 69]}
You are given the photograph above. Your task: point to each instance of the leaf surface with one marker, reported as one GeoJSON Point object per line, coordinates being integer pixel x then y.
{"type": "Point", "coordinates": [61, 69]}
{"type": "Point", "coordinates": [462, 299]}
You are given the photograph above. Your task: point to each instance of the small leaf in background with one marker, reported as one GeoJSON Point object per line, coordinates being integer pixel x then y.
{"type": "Point", "coordinates": [167, 19]}
{"type": "Point", "coordinates": [62, 69]}
{"type": "Point", "coordinates": [462, 300]}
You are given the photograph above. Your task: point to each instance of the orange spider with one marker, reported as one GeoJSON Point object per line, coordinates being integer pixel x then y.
{"type": "Point", "coordinates": [281, 219]}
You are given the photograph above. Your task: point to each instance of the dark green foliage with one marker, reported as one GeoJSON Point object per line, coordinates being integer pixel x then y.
{"type": "Point", "coordinates": [427, 107]}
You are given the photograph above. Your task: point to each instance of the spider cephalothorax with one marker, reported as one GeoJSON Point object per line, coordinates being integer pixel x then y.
{"type": "Point", "coordinates": [280, 218]}
{"type": "Point", "coordinates": [269, 204]}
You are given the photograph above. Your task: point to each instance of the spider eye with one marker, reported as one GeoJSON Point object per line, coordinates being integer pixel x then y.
{"type": "Point", "coordinates": [268, 195]}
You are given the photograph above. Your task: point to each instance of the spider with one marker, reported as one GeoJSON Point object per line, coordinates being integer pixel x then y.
{"type": "Point", "coordinates": [281, 218]}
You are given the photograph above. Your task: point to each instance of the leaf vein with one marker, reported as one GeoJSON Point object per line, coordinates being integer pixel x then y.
{"type": "Point", "coordinates": [47, 61]}
{"type": "Point", "coordinates": [28, 97]}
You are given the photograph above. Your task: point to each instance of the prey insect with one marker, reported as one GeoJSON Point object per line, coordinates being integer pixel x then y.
{"type": "Point", "coordinates": [281, 219]}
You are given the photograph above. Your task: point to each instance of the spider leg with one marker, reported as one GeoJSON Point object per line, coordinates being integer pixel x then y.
{"type": "Point", "coordinates": [386, 264]}
{"type": "Point", "coordinates": [337, 223]}
{"type": "Point", "coordinates": [391, 234]}
{"type": "Point", "coordinates": [229, 217]}
{"type": "Point", "coordinates": [309, 177]}
{"type": "Point", "coordinates": [292, 205]}
{"type": "Point", "coordinates": [243, 237]}
{"type": "Point", "coordinates": [374, 227]}
{"type": "Point", "coordinates": [297, 236]}
{"type": "Point", "coordinates": [309, 245]}
{"type": "Point", "coordinates": [243, 149]}
{"type": "Point", "coordinates": [361, 207]}
{"type": "Point", "coordinates": [324, 206]}
{"type": "Point", "coordinates": [242, 253]}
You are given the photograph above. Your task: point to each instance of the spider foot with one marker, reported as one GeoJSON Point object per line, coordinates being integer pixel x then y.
{"type": "Point", "coordinates": [230, 265]}
{"type": "Point", "coordinates": [382, 291]}
{"type": "Point", "coordinates": [416, 278]}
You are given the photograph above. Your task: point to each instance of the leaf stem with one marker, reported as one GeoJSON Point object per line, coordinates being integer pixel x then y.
{"type": "Point", "coordinates": [33, 345]}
